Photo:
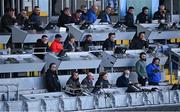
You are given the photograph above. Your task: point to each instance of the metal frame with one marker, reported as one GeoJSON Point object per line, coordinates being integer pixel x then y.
{"type": "Point", "coordinates": [174, 52]}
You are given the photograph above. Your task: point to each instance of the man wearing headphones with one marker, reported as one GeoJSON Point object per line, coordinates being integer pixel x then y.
{"type": "Point", "coordinates": [153, 71]}
{"type": "Point", "coordinates": [141, 69]}
{"type": "Point", "coordinates": [160, 14]}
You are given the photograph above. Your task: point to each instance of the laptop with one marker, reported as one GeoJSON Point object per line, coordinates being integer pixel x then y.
{"type": "Point", "coordinates": [97, 22]}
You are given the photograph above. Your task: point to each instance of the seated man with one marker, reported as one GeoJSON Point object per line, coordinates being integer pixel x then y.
{"type": "Point", "coordinates": [70, 46]}
{"type": "Point", "coordinates": [160, 14]}
{"type": "Point", "coordinates": [87, 43]}
{"type": "Point", "coordinates": [91, 14]}
{"type": "Point", "coordinates": [56, 46]}
{"type": "Point", "coordinates": [35, 16]}
{"type": "Point", "coordinates": [143, 16]}
{"type": "Point", "coordinates": [22, 18]}
{"type": "Point", "coordinates": [140, 42]}
{"type": "Point", "coordinates": [41, 46]}
{"type": "Point", "coordinates": [102, 82]}
{"type": "Point", "coordinates": [88, 80]}
{"type": "Point", "coordinates": [123, 80]}
{"type": "Point", "coordinates": [51, 79]}
{"type": "Point", "coordinates": [109, 43]}
{"type": "Point", "coordinates": [129, 18]}
{"type": "Point", "coordinates": [65, 17]}
{"type": "Point", "coordinates": [153, 71]}
{"type": "Point", "coordinates": [105, 15]}
{"type": "Point", "coordinates": [73, 81]}
{"type": "Point", "coordinates": [8, 20]}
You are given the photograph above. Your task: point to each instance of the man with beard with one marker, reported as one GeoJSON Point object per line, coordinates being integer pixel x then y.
{"type": "Point", "coordinates": [141, 69]}
{"type": "Point", "coordinates": [140, 42]}
{"type": "Point", "coordinates": [73, 81]}
{"type": "Point", "coordinates": [129, 18]}
{"type": "Point", "coordinates": [160, 14]}
{"type": "Point", "coordinates": [35, 16]}
{"type": "Point", "coordinates": [51, 79]}
{"type": "Point", "coordinates": [87, 43]}
{"type": "Point", "coordinates": [109, 43]}
{"type": "Point", "coordinates": [153, 71]}
{"type": "Point", "coordinates": [8, 20]}
{"type": "Point", "coordinates": [143, 16]}
{"type": "Point", "coordinates": [123, 81]}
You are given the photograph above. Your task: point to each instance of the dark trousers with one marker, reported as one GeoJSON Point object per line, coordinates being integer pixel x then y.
{"type": "Point", "coordinates": [142, 81]}
{"type": "Point", "coordinates": [153, 83]}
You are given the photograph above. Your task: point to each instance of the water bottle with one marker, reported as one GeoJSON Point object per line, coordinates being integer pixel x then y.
{"type": "Point", "coordinates": [9, 50]}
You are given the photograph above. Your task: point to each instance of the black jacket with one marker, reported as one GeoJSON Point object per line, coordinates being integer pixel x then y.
{"type": "Point", "coordinates": [86, 45]}
{"type": "Point", "coordinates": [159, 16]}
{"type": "Point", "coordinates": [70, 48]}
{"type": "Point", "coordinates": [21, 20]}
{"type": "Point", "coordinates": [108, 45]}
{"type": "Point", "coordinates": [52, 81]}
{"type": "Point", "coordinates": [104, 17]}
{"type": "Point", "coordinates": [87, 82]}
{"type": "Point", "coordinates": [64, 19]}
{"type": "Point", "coordinates": [142, 18]}
{"type": "Point", "coordinates": [41, 47]}
{"type": "Point", "coordinates": [138, 44]}
{"type": "Point", "coordinates": [100, 83]}
{"type": "Point", "coordinates": [6, 22]}
{"type": "Point", "coordinates": [122, 81]}
{"type": "Point", "coordinates": [129, 20]}
{"type": "Point", "coordinates": [73, 83]}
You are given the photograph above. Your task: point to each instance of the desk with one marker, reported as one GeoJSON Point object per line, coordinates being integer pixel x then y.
{"type": "Point", "coordinates": [99, 32]}
{"type": "Point", "coordinates": [75, 60]}
{"type": "Point", "coordinates": [25, 63]}
{"type": "Point", "coordinates": [22, 36]}
{"type": "Point", "coordinates": [153, 33]}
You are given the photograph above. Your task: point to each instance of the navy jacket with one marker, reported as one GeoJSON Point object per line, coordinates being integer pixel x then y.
{"type": "Point", "coordinates": [122, 81]}
{"type": "Point", "coordinates": [35, 18]}
{"type": "Point", "coordinates": [104, 17]}
{"type": "Point", "coordinates": [154, 74]}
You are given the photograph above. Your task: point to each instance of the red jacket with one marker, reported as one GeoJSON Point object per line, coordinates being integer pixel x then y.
{"type": "Point", "coordinates": [56, 46]}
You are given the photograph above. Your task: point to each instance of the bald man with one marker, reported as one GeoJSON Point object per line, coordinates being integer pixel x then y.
{"type": "Point", "coordinates": [88, 80]}
{"type": "Point", "coordinates": [123, 81]}
{"type": "Point", "coordinates": [91, 14]}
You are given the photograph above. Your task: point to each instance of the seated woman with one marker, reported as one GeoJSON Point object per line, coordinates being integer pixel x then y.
{"type": "Point", "coordinates": [102, 82]}
{"type": "Point", "coordinates": [70, 46]}
{"type": "Point", "coordinates": [51, 79]}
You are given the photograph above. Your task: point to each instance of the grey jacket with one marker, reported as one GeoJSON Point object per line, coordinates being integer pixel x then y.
{"type": "Point", "coordinates": [141, 68]}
